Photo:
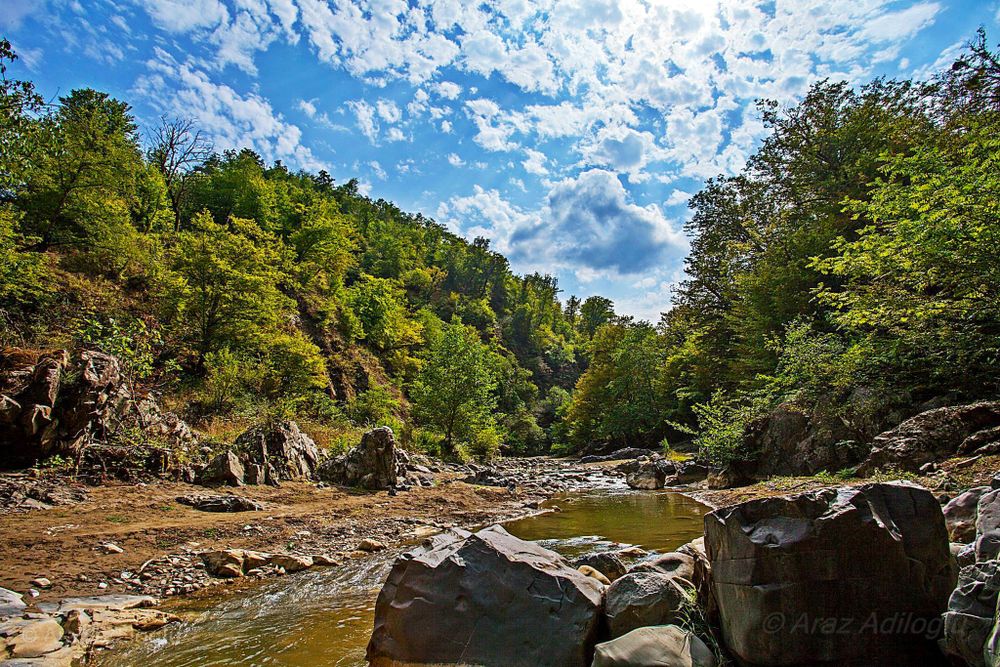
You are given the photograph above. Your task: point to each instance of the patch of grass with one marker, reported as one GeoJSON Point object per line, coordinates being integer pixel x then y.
{"type": "Point", "coordinates": [116, 518]}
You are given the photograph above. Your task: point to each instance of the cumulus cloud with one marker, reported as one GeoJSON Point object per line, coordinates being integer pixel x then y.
{"type": "Point", "coordinates": [231, 119]}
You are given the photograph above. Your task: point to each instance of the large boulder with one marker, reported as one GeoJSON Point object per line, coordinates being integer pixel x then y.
{"type": "Point", "coordinates": [648, 473]}
{"type": "Point", "coordinates": [658, 646]}
{"type": "Point", "coordinates": [782, 568]}
{"type": "Point", "coordinates": [988, 526]}
{"type": "Point", "coordinates": [645, 598]}
{"type": "Point", "coordinates": [933, 435]}
{"type": "Point", "coordinates": [607, 563]}
{"type": "Point", "coordinates": [971, 614]}
{"type": "Point", "coordinates": [960, 514]}
{"type": "Point", "coordinates": [485, 599]}
{"type": "Point", "coordinates": [225, 469]}
{"type": "Point", "coordinates": [281, 449]}
{"type": "Point", "coordinates": [374, 464]}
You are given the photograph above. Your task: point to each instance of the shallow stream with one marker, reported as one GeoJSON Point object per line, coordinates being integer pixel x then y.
{"type": "Point", "coordinates": [324, 617]}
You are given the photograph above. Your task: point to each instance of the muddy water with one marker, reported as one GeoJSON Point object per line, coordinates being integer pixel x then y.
{"type": "Point", "coordinates": [325, 617]}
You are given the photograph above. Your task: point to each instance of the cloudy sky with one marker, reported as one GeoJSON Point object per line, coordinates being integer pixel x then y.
{"type": "Point", "coordinates": [570, 132]}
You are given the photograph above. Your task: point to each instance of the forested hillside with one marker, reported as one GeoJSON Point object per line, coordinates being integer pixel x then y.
{"type": "Point", "coordinates": [851, 269]}
{"type": "Point", "coordinates": [241, 291]}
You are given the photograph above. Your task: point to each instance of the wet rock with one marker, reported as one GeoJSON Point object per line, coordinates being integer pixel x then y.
{"type": "Point", "coordinates": [282, 450]}
{"type": "Point", "coordinates": [960, 514]}
{"type": "Point", "coordinates": [100, 603]}
{"type": "Point", "coordinates": [648, 474]}
{"type": "Point", "coordinates": [221, 503]}
{"type": "Point", "coordinates": [488, 599]}
{"type": "Point", "coordinates": [372, 465]}
{"type": "Point", "coordinates": [864, 552]}
{"type": "Point", "coordinates": [660, 646]}
{"type": "Point", "coordinates": [644, 598]}
{"type": "Point", "coordinates": [606, 562]}
{"type": "Point", "coordinates": [673, 563]}
{"type": "Point", "coordinates": [224, 469]}
{"type": "Point", "coordinates": [934, 435]}
{"type": "Point", "coordinates": [290, 563]}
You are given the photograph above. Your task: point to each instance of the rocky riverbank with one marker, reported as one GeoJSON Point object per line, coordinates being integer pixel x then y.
{"type": "Point", "coordinates": [152, 541]}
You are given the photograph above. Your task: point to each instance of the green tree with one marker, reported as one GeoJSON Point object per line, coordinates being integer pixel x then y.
{"type": "Point", "coordinates": [595, 312]}
{"type": "Point", "coordinates": [455, 391]}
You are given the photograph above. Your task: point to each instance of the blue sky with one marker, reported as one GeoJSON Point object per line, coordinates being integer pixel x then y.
{"type": "Point", "coordinates": [570, 132]}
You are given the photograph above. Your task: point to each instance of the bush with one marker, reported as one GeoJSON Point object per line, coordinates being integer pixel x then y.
{"type": "Point", "coordinates": [375, 406]}
{"type": "Point", "coordinates": [723, 423]}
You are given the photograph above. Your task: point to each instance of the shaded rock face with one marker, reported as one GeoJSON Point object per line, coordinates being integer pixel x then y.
{"type": "Point", "coordinates": [224, 469]}
{"type": "Point", "coordinates": [606, 562]}
{"type": "Point", "coordinates": [57, 404]}
{"type": "Point", "coordinates": [660, 646]}
{"type": "Point", "coordinates": [987, 518]}
{"type": "Point", "coordinates": [644, 598]}
{"type": "Point", "coordinates": [971, 616]}
{"type": "Point", "coordinates": [281, 450]}
{"type": "Point", "coordinates": [934, 435]}
{"type": "Point", "coordinates": [374, 464]}
{"type": "Point", "coordinates": [960, 514]}
{"type": "Point", "coordinates": [783, 567]}
{"type": "Point", "coordinates": [791, 442]}
{"type": "Point", "coordinates": [485, 599]}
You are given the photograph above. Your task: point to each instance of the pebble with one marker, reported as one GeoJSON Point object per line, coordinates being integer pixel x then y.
{"type": "Point", "coordinates": [41, 582]}
{"type": "Point", "coordinates": [112, 548]}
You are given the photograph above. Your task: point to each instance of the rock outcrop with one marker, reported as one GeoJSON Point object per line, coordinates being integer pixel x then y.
{"type": "Point", "coordinates": [971, 614]}
{"type": "Point", "coordinates": [793, 442]}
{"type": "Point", "coordinates": [54, 403]}
{"type": "Point", "coordinates": [374, 464]}
{"type": "Point", "coordinates": [960, 514]}
{"type": "Point", "coordinates": [281, 450]}
{"type": "Point", "coordinates": [485, 599]}
{"type": "Point", "coordinates": [659, 646]}
{"type": "Point", "coordinates": [936, 434]}
{"type": "Point", "coordinates": [783, 567]}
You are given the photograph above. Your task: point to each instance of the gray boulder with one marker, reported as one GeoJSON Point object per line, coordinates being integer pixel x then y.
{"type": "Point", "coordinates": [224, 469]}
{"type": "Point", "coordinates": [11, 603]}
{"type": "Point", "coordinates": [649, 473]}
{"type": "Point", "coordinates": [607, 563]}
{"type": "Point", "coordinates": [644, 598]}
{"type": "Point", "coordinates": [933, 435]}
{"type": "Point", "coordinates": [281, 449]}
{"type": "Point", "coordinates": [658, 646]}
{"type": "Point", "coordinates": [485, 599]}
{"type": "Point", "coordinates": [869, 553]}
{"type": "Point", "coordinates": [988, 526]}
{"type": "Point", "coordinates": [794, 442]}
{"type": "Point", "coordinates": [971, 615]}
{"type": "Point", "coordinates": [372, 465]}
{"type": "Point", "coordinates": [673, 563]}
{"type": "Point", "coordinates": [221, 503]}
{"type": "Point", "coordinates": [960, 514]}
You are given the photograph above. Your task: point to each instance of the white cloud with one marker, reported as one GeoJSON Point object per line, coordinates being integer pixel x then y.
{"type": "Point", "coordinates": [388, 110]}
{"type": "Point", "coordinates": [395, 134]}
{"type": "Point", "coordinates": [448, 90]}
{"type": "Point", "coordinates": [308, 107]}
{"type": "Point", "coordinates": [233, 120]}
{"type": "Point", "coordinates": [377, 170]}
{"type": "Point", "coordinates": [364, 116]}
{"type": "Point", "coordinates": [446, 126]}
{"type": "Point", "coordinates": [455, 161]}
{"type": "Point", "coordinates": [677, 197]}
{"type": "Point", "coordinates": [535, 162]}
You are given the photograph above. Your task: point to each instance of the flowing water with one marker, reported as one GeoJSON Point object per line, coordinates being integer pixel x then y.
{"type": "Point", "coordinates": [325, 617]}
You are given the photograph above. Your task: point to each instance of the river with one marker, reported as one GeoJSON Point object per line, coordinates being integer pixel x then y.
{"type": "Point", "coordinates": [325, 617]}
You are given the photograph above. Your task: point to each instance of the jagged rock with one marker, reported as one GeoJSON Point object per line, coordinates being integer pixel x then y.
{"type": "Point", "coordinates": [644, 598]}
{"type": "Point", "coordinates": [933, 435]}
{"type": "Point", "coordinates": [607, 563]}
{"type": "Point", "coordinates": [281, 449]}
{"type": "Point", "coordinates": [648, 474]}
{"type": "Point", "coordinates": [859, 553]}
{"type": "Point", "coordinates": [485, 599]}
{"type": "Point", "coordinates": [618, 455]}
{"type": "Point", "coordinates": [485, 476]}
{"type": "Point", "coordinates": [660, 646]}
{"type": "Point", "coordinates": [224, 469]}
{"type": "Point", "coordinates": [971, 612]}
{"type": "Point", "coordinates": [25, 494]}
{"type": "Point", "coordinates": [371, 465]}
{"type": "Point", "coordinates": [688, 472]}
{"type": "Point", "coordinates": [221, 503]}
{"type": "Point", "coordinates": [54, 404]}
{"type": "Point", "coordinates": [960, 514]}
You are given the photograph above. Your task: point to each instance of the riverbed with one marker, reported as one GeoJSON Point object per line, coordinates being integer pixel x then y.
{"type": "Point", "coordinates": [325, 617]}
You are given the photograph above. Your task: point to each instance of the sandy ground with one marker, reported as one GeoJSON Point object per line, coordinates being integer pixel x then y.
{"type": "Point", "coordinates": [64, 544]}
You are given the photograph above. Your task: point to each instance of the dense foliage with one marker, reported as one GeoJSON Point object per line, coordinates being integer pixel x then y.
{"type": "Point", "coordinates": [252, 289]}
